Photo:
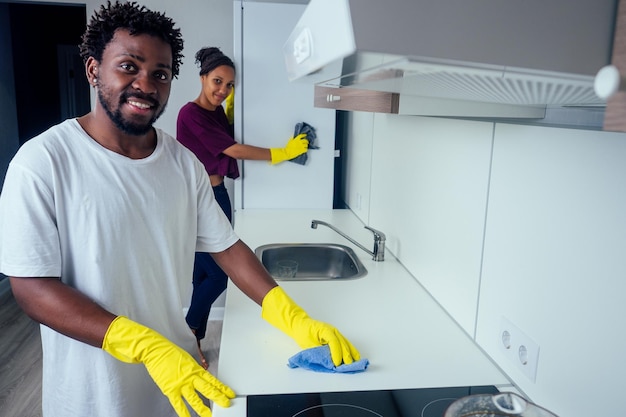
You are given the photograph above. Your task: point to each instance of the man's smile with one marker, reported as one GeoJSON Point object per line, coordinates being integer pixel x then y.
{"type": "Point", "coordinates": [143, 106]}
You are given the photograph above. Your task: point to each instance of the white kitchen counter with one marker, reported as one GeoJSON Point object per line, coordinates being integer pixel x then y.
{"type": "Point", "coordinates": [408, 338]}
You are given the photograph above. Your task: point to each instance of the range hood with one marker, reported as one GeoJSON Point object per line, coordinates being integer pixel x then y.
{"type": "Point", "coordinates": [528, 54]}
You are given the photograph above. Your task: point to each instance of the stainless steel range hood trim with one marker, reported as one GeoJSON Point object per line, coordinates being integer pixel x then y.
{"type": "Point", "coordinates": [473, 82]}
{"type": "Point", "coordinates": [441, 107]}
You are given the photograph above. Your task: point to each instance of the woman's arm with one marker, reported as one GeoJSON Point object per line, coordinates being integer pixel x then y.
{"type": "Point", "coordinates": [295, 146]}
{"type": "Point", "coordinates": [62, 308]}
{"type": "Point", "coordinates": [249, 152]}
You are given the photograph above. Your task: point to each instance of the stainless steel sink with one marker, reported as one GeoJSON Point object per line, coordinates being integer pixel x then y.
{"type": "Point", "coordinates": [316, 261]}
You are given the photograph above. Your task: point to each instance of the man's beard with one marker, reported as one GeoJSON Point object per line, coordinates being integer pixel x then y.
{"type": "Point", "coordinates": [124, 125]}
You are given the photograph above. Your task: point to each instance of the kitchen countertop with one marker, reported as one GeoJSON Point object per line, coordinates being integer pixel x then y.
{"type": "Point", "coordinates": [408, 338]}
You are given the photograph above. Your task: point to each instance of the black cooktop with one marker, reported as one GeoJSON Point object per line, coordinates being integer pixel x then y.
{"type": "Point", "coordinates": [412, 402]}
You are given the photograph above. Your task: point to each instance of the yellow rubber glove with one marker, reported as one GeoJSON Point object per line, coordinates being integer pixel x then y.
{"type": "Point", "coordinates": [280, 311]}
{"type": "Point", "coordinates": [175, 371]}
{"type": "Point", "coordinates": [229, 109]}
{"type": "Point", "coordinates": [295, 146]}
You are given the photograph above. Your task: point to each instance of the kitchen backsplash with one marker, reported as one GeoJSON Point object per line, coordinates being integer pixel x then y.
{"type": "Point", "coordinates": [505, 223]}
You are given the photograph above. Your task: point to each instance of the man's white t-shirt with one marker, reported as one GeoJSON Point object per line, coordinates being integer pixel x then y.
{"type": "Point", "coordinates": [123, 232]}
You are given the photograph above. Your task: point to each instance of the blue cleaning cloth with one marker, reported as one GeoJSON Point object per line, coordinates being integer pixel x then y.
{"type": "Point", "coordinates": [311, 136]}
{"type": "Point", "coordinates": [318, 359]}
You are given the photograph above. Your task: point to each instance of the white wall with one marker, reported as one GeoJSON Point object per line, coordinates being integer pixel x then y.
{"type": "Point", "coordinates": [438, 201]}
{"type": "Point", "coordinates": [548, 206]}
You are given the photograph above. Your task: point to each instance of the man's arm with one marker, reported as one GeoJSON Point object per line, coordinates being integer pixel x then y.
{"type": "Point", "coordinates": [246, 271]}
{"type": "Point", "coordinates": [62, 308]}
{"type": "Point", "coordinates": [68, 311]}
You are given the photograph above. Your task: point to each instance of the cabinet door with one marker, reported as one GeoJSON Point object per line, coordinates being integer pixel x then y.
{"type": "Point", "coordinates": [271, 108]}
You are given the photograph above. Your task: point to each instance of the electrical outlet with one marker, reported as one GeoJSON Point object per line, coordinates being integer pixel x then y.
{"type": "Point", "coordinates": [303, 46]}
{"type": "Point", "coordinates": [519, 348]}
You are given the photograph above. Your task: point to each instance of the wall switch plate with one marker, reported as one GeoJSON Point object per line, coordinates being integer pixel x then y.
{"type": "Point", "coordinates": [519, 348]}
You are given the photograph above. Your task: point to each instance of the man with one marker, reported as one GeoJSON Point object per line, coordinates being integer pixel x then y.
{"type": "Point", "coordinates": [100, 217]}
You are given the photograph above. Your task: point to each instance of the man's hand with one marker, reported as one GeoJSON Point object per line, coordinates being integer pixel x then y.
{"type": "Point", "coordinates": [280, 311]}
{"type": "Point", "coordinates": [175, 371]}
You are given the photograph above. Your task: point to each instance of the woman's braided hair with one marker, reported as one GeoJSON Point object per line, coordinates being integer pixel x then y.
{"type": "Point", "coordinates": [137, 20]}
{"type": "Point", "coordinates": [210, 58]}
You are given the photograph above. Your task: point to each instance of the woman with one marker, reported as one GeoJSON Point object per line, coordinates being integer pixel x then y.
{"type": "Point", "coordinates": [204, 128]}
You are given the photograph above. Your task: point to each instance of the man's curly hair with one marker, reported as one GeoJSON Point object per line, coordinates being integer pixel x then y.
{"type": "Point", "coordinates": [137, 20]}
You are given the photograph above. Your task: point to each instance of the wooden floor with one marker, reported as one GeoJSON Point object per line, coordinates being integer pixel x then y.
{"type": "Point", "coordinates": [20, 362]}
{"type": "Point", "coordinates": [20, 359]}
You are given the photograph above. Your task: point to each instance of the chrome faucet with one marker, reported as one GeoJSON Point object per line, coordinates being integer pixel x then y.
{"type": "Point", "coordinates": [378, 254]}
